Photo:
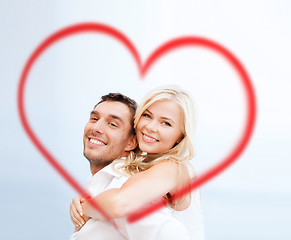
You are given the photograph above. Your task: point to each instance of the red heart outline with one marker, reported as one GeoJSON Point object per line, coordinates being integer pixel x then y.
{"type": "Point", "coordinates": [143, 69]}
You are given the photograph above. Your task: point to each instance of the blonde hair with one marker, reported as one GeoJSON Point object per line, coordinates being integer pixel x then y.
{"type": "Point", "coordinates": [183, 151]}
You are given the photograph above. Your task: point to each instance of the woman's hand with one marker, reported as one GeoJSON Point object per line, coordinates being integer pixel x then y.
{"type": "Point", "coordinates": [76, 213]}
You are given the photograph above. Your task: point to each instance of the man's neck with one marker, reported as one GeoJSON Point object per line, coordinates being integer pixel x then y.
{"type": "Point", "coordinates": [96, 168]}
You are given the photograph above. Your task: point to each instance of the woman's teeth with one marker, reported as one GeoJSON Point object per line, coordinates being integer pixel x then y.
{"type": "Point", "coordinates": [149, 139]}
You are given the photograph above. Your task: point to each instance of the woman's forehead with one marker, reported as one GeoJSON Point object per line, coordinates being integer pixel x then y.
{"type": "Point", "coordinates": [165, 108]}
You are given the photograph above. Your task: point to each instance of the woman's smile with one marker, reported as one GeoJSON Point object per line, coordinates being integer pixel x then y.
{"type": "Point", "coordinates": [159, 127]}
{"type": "Point", "coordinates": [149, 138]}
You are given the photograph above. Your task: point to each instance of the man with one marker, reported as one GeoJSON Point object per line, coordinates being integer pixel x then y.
{"type": "Point", "coordinates": [110, 135]}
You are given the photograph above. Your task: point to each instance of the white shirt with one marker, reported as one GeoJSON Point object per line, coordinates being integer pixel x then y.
{"type": "Point", "coordinates": [161, 225]}
{"type": "Point", "coordinates": [103, 180]}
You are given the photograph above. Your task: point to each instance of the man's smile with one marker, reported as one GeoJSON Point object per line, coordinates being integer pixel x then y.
{"type": "Point", "coordinates": [94, 141]}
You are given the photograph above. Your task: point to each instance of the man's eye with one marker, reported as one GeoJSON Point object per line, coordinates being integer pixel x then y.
{"type": "Point", "coordinates": [94, 119]}
{"type": "Point", "coordinates": [113, 124]}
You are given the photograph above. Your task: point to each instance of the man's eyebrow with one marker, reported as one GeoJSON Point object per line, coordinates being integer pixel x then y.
{"type": "Point", "coordinates": [94, 112]}
{"type": "Point", "coordinates": [116, 117]}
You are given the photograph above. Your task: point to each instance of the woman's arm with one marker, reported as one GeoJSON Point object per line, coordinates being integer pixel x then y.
{"type": "Point", "coordinates": [76, 213]}
{"type": "Point", "coordinates": [139, 190]}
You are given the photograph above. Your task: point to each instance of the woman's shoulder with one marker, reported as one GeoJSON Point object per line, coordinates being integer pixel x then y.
{"type": "Point", "coordinates": [168, 166]}
{"type": "Point", "coordinates": [184, 170]}
{"type": "Point", "coordinates": [184, 176]}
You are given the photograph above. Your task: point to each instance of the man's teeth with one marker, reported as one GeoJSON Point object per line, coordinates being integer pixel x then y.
{"type": "Point", "coordinates": [94, 141]}
{"type": "Point", "coordinates": [149, 138]}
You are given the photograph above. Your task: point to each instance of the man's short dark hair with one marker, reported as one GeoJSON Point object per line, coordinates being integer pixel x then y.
{"type": "Point", "coordinates": [119, 97]}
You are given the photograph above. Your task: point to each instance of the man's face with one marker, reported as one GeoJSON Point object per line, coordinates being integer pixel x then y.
{"type": "Point", "coordinates": [107, 134]}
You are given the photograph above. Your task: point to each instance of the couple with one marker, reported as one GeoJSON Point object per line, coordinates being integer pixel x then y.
{"type": "Point", "coordinates": [138, 155]}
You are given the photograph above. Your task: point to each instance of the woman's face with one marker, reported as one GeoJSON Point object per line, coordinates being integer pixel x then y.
{"type": "Point", "coordinates": [159, 127]}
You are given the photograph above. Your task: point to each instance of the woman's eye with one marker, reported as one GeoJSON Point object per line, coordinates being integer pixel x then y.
{"type": "Point", "coordinates": [167, 124]}
{"type": "Point", "coordinates": [146, 115]}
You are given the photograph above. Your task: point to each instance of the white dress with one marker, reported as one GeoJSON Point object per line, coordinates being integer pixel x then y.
{"type": "Point", "coordinates": [192, 217]}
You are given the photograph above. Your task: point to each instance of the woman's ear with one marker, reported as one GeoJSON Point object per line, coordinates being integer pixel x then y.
{"type": "Point", "coordinates": [132, 143]}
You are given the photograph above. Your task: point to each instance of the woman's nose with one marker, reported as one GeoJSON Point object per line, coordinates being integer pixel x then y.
{"type": "Point", "coordinates": [152, 126]}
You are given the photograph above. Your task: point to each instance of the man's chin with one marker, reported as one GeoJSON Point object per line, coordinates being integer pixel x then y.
{"type": "Point", "coordinates": [96, 159]}
{"type": "Point", "coordinates": [91, 156]}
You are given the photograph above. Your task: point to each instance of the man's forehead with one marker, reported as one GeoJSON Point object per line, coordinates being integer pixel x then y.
{"type": "Point", "coordinates": [113, 108]}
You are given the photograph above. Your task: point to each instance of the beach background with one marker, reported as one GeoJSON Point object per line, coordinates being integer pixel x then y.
{"type": "Point", "coordinates": [249, 200]}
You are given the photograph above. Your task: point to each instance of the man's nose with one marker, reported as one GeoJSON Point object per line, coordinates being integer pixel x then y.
{"type": "Point", "coordinates": [98, 126]}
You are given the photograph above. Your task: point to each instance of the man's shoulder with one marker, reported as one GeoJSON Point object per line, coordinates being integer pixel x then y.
{"type": "Point", "coordinates": [107, 178]}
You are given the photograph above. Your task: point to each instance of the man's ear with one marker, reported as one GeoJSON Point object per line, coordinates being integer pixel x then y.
{"type": "Point", "coordinates": [132, 143]}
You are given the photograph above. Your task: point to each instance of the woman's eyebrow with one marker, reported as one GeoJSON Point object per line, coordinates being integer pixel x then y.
{"type": "Point", "coordinates": [164, 118]}
{"type": "Point", "coordinates": [148, 111]}
{"type": "Point", "coordinates": [168, 118]}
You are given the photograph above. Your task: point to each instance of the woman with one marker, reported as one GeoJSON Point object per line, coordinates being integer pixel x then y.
{"type": "Point", "coordinates": [164, 124]}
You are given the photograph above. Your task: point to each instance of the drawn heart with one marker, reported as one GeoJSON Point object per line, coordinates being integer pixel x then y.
{"type": "Point", "coordinates": [181, 42]}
